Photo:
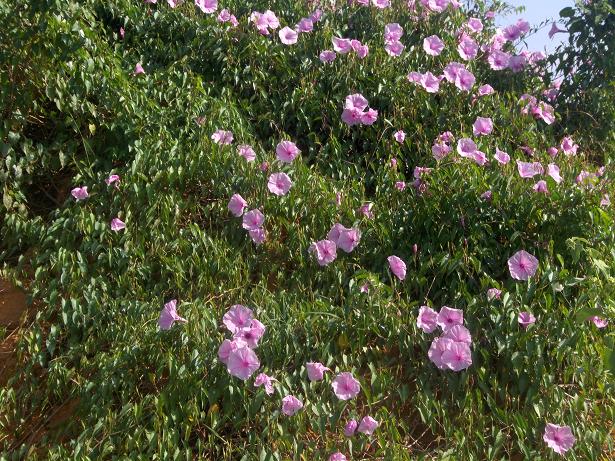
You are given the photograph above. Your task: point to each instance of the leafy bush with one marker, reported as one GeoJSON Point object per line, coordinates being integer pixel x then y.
{"type": "Point", "coordinates": [75, 111]}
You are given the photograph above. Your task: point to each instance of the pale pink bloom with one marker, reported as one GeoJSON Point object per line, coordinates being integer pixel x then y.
{"type": "Point", "coordinates": [414, 77]}
{"type": "Point", "coordinates": [80, 193]}
{"type": "Point", "coordinates": [341, 45]}
{"type": "Point", "coordinates": [459, 334]}
{"type": "Point", "coordinates": [286, 151]}
{"type": "Point", "coordinates": [366, 210]}
{"type": "Point", "coordinates": [263, 380]}
{"type": "Point", "coordinates": [420, 171]}
{"type": "Point", "coordinates": [350, 428]}
{"type": "Point", "coordinates": [553, 171]}
{"type": "Point", "coordinates": [586, 178]}
{"type": "Point", "coordinates": [291, 405]}
{"type": "Point", "coordinates": [117, 224]}
{"type": "Point", "coordinates": [568, 146]}
{"type": "Point", "coordinates": [522, 265]}
{"type": "Point", "coordinates": [316, 15]}
{"type": "Point", "coordinates": [466, 147]}
{"type": "Point", "coordinates": [427, 319]}
{"type": "Point", "coordinates": [541, 187]}
{"type": "Point", "coordinates": [465, 80]}
{"type": "Point", "coordinates": [337, 457]}
{"type": "Point", "coordinates": [393, 163]}
{"type": "Point", "coordinates": [400, 185]}
{"type": "Point", "coordinates": [599, 321]}
{"type": "Point", "coordinates": [559, 438]}
{"type": "Point", "coordinates": [457, 356]}
{"type": "Point", "coordinates": [348, 239]}
{"type": "Point", "coordinates": [356, 102]}
{"type": "Point", "coordinates": [437, 348]}
{"type": "Point", "coordinates": [393, 32]}
{"type": "Point", "coordinates": [605, 201]}
{"type": "Point", "coordinates": [207, 6]}
{"type": "Point", "coordinates": [382, 4]}
{"type": "Point", "coordinates": [482, 126]}
{"type": "Point", "coordinates": [467, 48]}
{"type": "Point", "coordinates": [305, 25]}
{"type": "Point", "coordinates": [352, 117]}
{"type": "Point", "coordinates": [486, 195]}
{"type": "Point", "coordinates": [432, 45]}
{"type": "Point", "coordinates": [490, 14]}
{"type": "Point", "coordinates": [446, 136]}
{"type": "Point", "coordinates": [394, 48]}
{"type": "Point", "coordinates": [338, 198]}
{"type": "Point", "coordinates": [430, 82]}
{"type": "Point", "coordinates": [237, 318]}
{"type": "Point", "coordinates": [400, 136]}
{"type": "Point", "coordinates": [251, 335]}
{"type": "Point", "coordinates": [368, 425]}
{"type": "Point", "coordinates": [525, 319]}
{"type": "Point", "coordinates": [113, 179]}
{"type": "Point", "coordinates": [437, 6]}
{"type": "Point", "coordinates": [327, 56]}
{"type": "Point", "coordinates": [502, 157]}
{"type": "Point", "coordinates": [279, 184]}
{"type": "Point", "coordinates": [364, 288]}
{"type": "Point", "coordinates": [544, 112]}
{"type": "Point", "coordinates": [498, 60]}
{"type": "Point", "coordinates": [485, 90]}
{"type": "Point", "coordinates": [517, 63]}
{"type": "Point", "coordinates": [138, 69]}
{"type": "Point", "coordinates": [493, 293]}
{"type": "Point", "coordinates": [325, 251]}
{"type": "Point", "coordinates": [258, 236]}
{"type": "Point", "coordinates": [122, 32]}
{"type": "Point", "coordinates": [397, 266]}
{"type": "Point", "coordinates": [449, 317]}
{"type": "Point", "coordinates": [222, 137]}
{"type": "Point", "coordinates": [264, 167]}
{"type": "Point", "coordinates": [224, 16]}
{"type": "Point", "coordinates": [529, 169]}
{"type": "Point", "coordinates": [174, 3]}
{"type": "Point", "coordinates": [451, 71]}
{"type": "Point", "coordinates": [440, 150]}
{"type": "Point", "coordinates": [345, 386]}
{"type": "Point", "coordinates": [474, 25]}
{"type": "Point", "coordinates": [369, 117]}
{"type": "Point", "coordinates": [271, 19]}
{"type": "Point", "coordinates": [316, 371]}
{"type": "Point", "coordinates": [169, 315]}
{"type": "Point", "coordinates": [236, 205]}
{"type": "Point", "coordinates": [288, 36]}
{"type": "Point", "coordinates": [253, 219]}
{"type": "Point", "coordinates": [226, 348]}
{"type": "Point", "coordinates": [246, 152]}
{"type": "Point", "coordinates": [552, 151]}
{"type": "Point", "coordinates": [242, 363]}
{"type": "Point", "coordinates": [555, 30]}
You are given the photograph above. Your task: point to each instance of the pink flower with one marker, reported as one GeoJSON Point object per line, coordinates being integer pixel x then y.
{"type": "Point", "coordinates": [525, 319]}
{"type": "Point", "coordinates": [467, 48]}
{"type": "Point", "coordinates": [555, 30]}
{"type": "Point", "coordinates": [237, 318]}
{"type": "Point", "coordinates": [466, 147]}
{"type": "Point", "coordinates": [286, 151]}
{"type": "Point", "coordinates": [399, 136]}
{"type": "Point", "coordinates": [226, 348]}
{"type": "Point", "coordinates": [529, 169]}
{"type": "Point", "coordinates": [263, 380]}
{"type": "Point", "coordinates": [415, 77]}
{"type": "Point", "coordinates": [605, 201]}
{"type": "Point", "coordinates": [236, 205]}
{"type": "Point", "coordinates": [207, 6]}
{"type": "Point", "coordinates": [394, 48]}
{"type": "Point", "coordinates": [80, 193]}
{"type": "Point", "coordinates": [432, 45]}
{"type": "Point", "coordinates": [222, 137]}
{"type": "Point", "coordinates": [400, 185]}
{"type": "Point", "coordinates": [457, 356]}
{"type": "Point", "coordinates": [368, 425]}
{"type": "Point", "coordinates": [139, 69]}
{"type": "Point", "coordinates": [288, 36]}
{"type": "Point", "coordinates": [264, 167]}
{"type": "Point", "coordinates": [305, 25]}
{"type": "Point", "coordinates": [251, 335]}
{"type": "Point", "coordinates": [517, 63]}
{"type": "Point", "coordinates": [498, 60]}
{"type": "Point", "coordinates": [341, 45]}
{"type": "Point", "coordinates": [558, 438]}
{"type": "Point", "coordinates": [568, 146]}
{"type": "Point", "coordinates": [427, 319]}
{"type": "Point", "coordinates": [271, 19]}
{"type": "Point", "coordinates": [522, 265]}
{"type": "Point", "coordinates": [459, 334]}
{"type": "Point", "coordinates": [366, 210]}
{"type": "Point", "coordinates": [337, 457]}
{"type": "Point", "coordinates": [345, 239]}
{"type": "Point", "coordinates": [541, 187]}
{"type": "Point", "coordinates": [430, 82]}
{"type": "Point", "coordinates": [246, 152]}
{"type": "Point", "coordinates": [474, 25]}
{"type": "Point", "coordinates": [327, 56]}
{"type": "Point", "coordinates": [552, 151]}
{"type": "Point", "coordinates": [483, 126]}
{"type": "Point", "coordinates": [397, 266]}
{"type": "Point", "coordinates": [449, 317]}
{"type": "Point", "coordinates": [253, 219]}
{"type": "Point", "coordinates": [502, 157]}
{"type": "Point", "coordinates": [316, 370]}
{"type": "Point", "coordinates": [465, 80]}
{"type": "Point", "coordinates": [242, 363]}
{"type": "Point", "coordinates": [117, 224]}
{"type": "Point", "coordinates": [224, 16]}
{"type": "Point", "coordinates": [291, 405]}
{"type": "Point", "coordinates": [345, 386]}
{"type": "Point", "coordinates": [325, 251]}
{"type": "Point", "coordinates": [122, 32]}
{"type": "Point", "coordinates": [168, 315]}
{"type": "Point", "coordinates": [258, 236]}
{"type": "Point", "coordinates": [440, 150]}
{"type": "Point", "coordinates": [493, 293]}
{"type": "Point", "coordinates": [279, 184]}
{"type": "Point", "coordinates": [350, 428]}
{"type": "Point", "coordinates": [437, 348]}
{"type": "Point", "coordinates": [369, 117]}
{"type": "Point", "coordinates": [599, 321]}
{"type": "Point", "coordinates": [113, 179]}
{"type": "Point", "coordinates": [393, 32]}
{"type": "Point", "coordinates": [485, 90]}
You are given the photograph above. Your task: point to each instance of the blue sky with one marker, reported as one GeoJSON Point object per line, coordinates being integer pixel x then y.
{"type": "Point", "coordinates": [537, 11]}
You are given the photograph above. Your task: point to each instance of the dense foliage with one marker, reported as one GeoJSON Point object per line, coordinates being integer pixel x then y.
{"type": "Point", "coordinates": [75, 109]}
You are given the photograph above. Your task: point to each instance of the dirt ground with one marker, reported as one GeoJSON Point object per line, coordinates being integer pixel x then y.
{"type": "Point", "coordinates": [12, 308]}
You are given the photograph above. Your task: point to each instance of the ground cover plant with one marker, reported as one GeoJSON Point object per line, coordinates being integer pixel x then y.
{"type": "Point", "coordinates": [300, 230]}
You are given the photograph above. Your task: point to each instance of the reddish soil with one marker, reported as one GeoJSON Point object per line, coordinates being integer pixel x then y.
{"type": "Point", "coordinates": [12, 310]}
